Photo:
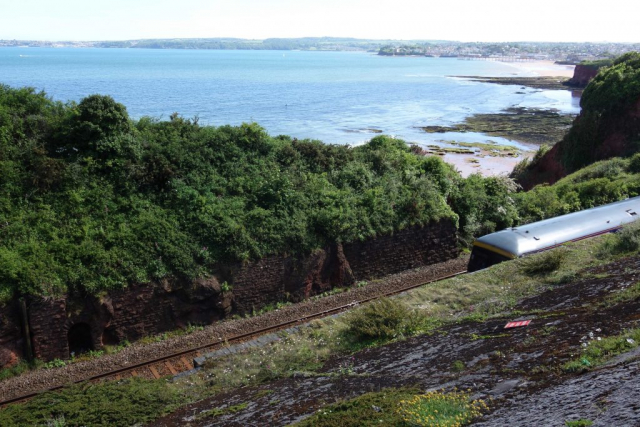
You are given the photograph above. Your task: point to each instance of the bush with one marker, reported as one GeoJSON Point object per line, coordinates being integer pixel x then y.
{"type": "Point", "coordinates": [624, 241]}
{"type": "Point", "coordinates": [544, 263]}
{"type": "Point", "coordinates": [384, 319]}
{"type": "Point", "coordinates": [124, 403]}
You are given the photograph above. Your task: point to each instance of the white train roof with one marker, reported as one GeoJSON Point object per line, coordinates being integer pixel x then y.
{"type": "Point", "coordinates": [554, 231]}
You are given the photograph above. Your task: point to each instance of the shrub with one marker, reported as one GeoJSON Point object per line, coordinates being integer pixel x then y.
{"type": "Point", "coordinates": [123, 403]}
{"type": "Point", "coordinates": [384, 319]}
{"type": "Point", "coordinates": [634, 163]}
{"type": "Point", "coordinates": [544, 263]}
{"type": "Point", "coordinates": [624, 241]}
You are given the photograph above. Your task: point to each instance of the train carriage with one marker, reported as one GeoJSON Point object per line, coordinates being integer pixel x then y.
{"type": "Point", "coordinates": [550, 233]}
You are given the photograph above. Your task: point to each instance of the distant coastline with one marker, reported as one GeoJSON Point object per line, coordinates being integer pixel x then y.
{"type": "Point", "coordinates": [506, 51]}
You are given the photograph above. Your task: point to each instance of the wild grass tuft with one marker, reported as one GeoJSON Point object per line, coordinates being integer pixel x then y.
{"type": "Point", "coordinates": [385, 319]}
{"type": "Point", "coordinates": [544, 263]}
{"type": "Point", "coordinates": [625, 241]}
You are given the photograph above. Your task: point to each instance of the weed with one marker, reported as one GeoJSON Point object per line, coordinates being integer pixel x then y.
{"type": "Point", "coordinates": [578, 423]}
{"type": "Point", "coordinates": [226, 287]}
{"type": "Point", "coordinates": [476, 337]}
{"type": "Point", "coordinates": [384, 320]}
{"type": "Point", "coordinates": [436, 409]}
{"type": "Point", "coordinates": [216, 412]}
{"type": "Point", "coordinates": [263, 393]}
{"type": "Point", "coordinates": [18, 369]}
{"type": "Point", "coordinates": [458, 366]}
{"type": "Point", "coordinates": [55, 363]}
{"type": "Point", "coordinates": [57, 422]}
{"type": "Point", "coordinates": [367, 410]}
{"type": "Point", "coordinates": [544, 263]}
{"type": "Point", "coordinates": [629, 294]}
{"type": "Point", "coordinates": [124, 403]}
{"type": "Point", "coordinates": [624, 241]}
{"type": "Point", "coordinates": [598, 352]}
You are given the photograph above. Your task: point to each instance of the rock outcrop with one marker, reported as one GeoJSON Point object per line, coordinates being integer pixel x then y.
{"type": "Point", "coordinates": [608, 125]}
{"type": "Point", "coordinates": [582, 75]}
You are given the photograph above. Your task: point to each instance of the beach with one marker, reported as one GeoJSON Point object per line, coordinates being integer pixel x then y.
{"type": "Point", "coordinates": [542, 69]}
{"type": "Point", "coordinates": [490, 166]}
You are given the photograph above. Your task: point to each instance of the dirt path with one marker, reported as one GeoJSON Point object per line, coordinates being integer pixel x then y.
{"type": "Point", "coordinates": [517, 368]}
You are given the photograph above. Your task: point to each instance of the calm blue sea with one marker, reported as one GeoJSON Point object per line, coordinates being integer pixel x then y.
{"type": "Point", "coordinates": [337, 97]}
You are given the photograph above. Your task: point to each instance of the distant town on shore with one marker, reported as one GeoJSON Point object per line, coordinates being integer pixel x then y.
{"type": "Point", "coordinates": [563, 52]}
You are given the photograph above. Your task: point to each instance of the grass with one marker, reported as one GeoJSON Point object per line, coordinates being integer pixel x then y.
{"type": "Point", "coordinates": [628, 294]}
{"type": "Point", "coordinates": [599, 352]}
{"type": "Point", "coordinates": [123, 403]}
{"type": "Point", "coordinates": [216, 412]}
{"type": "Point", "coordinates": [496, 290]}
{"type": "Point", "coordinates": [477, 296]}
{"type": "Point", "coordinates": [19, 368]}
{"type": "Point", "coordinates": [370, 409]}
{"type": "Point", "coordinates": [385, 319]}
{"type": "Point", "coordinates": [623, 242]}
{"type": "Point", "coordinates": [439, 409]}
{"type": "Point", "coordinates": [545, 263]}
{"type": "Point", "coordinates": [578, 423]}
{"type": "Point", "coordinates": [399, 407]}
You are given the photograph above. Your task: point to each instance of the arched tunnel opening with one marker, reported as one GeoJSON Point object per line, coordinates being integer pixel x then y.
{"type": "Point", "coordinates": [80, 340]}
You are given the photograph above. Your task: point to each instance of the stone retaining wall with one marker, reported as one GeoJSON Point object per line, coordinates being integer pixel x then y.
{"type": "Point", "coordinates": [149, 309]}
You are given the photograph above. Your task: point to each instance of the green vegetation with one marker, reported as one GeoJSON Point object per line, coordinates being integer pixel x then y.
{"type": "Point", "coordinates": [625, 241]}
{"type": "Point", "coordinates": [605, 99]}
{"type": "Point", "coordinates": [492, 292]}
{"type": "Point", "coordinates": [602, 182]}
{"type": "Point", "coordinates": [531, 125]}
{"type": "Point", "coordinates": [578, 423]}
{"type": "Point", "coordinates": [123, 403]}
{"type": "Point", "coordinates": [598, 63]}
{"type": "Point", "coordinates": [216, 412]}
{"type": "Point", "coordinates": [545, 263]}
{"type": "Point", "coordinates": [91, 201]}
{"type": "Point", "coordinates": [436, 409]}
{"type": "Point", "coordinates": [383, 320]}
{"type": "Point", "coordinates": [400, 407]}
{"type": "Point", "coordinates": [598, 352]}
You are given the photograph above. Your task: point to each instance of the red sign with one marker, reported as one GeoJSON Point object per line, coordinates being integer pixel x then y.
{"type": "Point", "coordinates": [517, 324]}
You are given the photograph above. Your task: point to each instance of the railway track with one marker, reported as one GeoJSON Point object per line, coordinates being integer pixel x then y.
{"type": "Point", "coordinates": [177, 363]}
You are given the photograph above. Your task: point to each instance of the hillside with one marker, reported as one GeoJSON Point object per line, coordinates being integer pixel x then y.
{"type": "Point", "coordinates": [92, 201]}
{"type": "Point", "coordinates": [577, 359]}
{"type": "Point", "coordinates": [608, 125]}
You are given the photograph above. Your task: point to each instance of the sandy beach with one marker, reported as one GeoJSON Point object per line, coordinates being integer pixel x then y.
{"type": "Point", "coordinates": [489, 166]}
{"type": "Point", "coordinates": [541, 68]}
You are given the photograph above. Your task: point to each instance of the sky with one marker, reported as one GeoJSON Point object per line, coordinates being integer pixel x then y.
{"type": "Point", "coordinates": [462, 20]}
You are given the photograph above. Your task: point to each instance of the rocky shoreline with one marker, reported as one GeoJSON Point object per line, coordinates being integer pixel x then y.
{"type": "Point", "coordinates": [538, 82]}
{"type": "Point", "coordinates": [529, 125]}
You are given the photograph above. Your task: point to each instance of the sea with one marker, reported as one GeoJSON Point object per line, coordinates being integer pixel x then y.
{"type": "Point", "coordinates": [335, 97]}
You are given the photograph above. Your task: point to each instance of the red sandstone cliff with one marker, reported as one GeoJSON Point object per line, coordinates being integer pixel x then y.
{"type": "Point", "coordinates": [582, 75]}
{"type": "Point", "coordinates": [616, 135]}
